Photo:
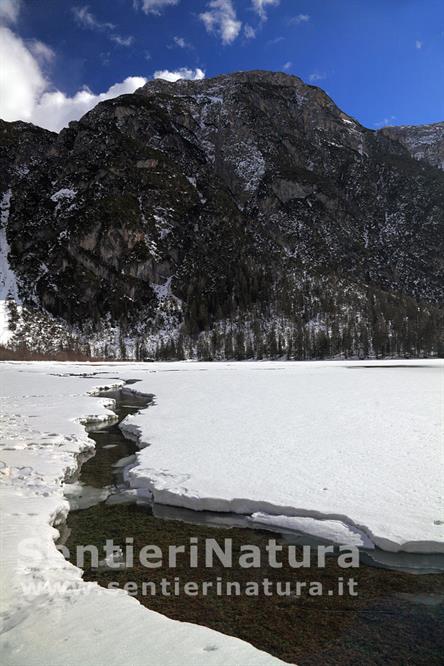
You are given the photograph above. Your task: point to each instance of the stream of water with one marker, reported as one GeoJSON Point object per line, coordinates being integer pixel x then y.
{"type": "Point", "coordinates": [395, 619]}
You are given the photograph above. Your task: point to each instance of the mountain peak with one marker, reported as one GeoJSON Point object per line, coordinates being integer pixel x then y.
{"type": "Point", "coordinates": [240, 215]}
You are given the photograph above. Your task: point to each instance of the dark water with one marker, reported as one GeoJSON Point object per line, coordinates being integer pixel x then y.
{"type": "Point", "coordinates": [397, 617]}
{"type": "Point", "coordinates": [111, 445]}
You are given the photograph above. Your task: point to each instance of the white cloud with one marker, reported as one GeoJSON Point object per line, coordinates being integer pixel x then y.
{"type": "Point", "coordinates": [41, 51]}
{"type": "Point", "coordinates": [317, 76]}
{"type": "Point", "coordinates": [156, 6]}
{"type": "Point", "coordinates": [260, 6]}
{"type": "Point", "coordinates": [25, 93]}
{"type": "Point", "coordinates": [249, 31]}
{"type": "Point", "coordinates": [54, 110]}
{"type": "Point", "coordinates": [122, 41]}
{"type": "Point", "coordinates": [221, 18]}
{"type": "Point", "coordinates": [300, 18]}
{"type": "Point", "coordinates": [9, 10]}
{"type": "Point", "coordinates": [182, 73]}
{"type": "Point", "coordinates": [87, 20]}
{"type": "Point", "coordinates": [288, 65]}
{"type": "Point", "coordinates": [276, 40]}
{"type": "Point", "coordinates": [105, 58]}
{"type": "Point", "coordinates": [419, 44]}
{"type": "Point", "coordinates": [21, 80]}
{"type": "Point", "coordinates": [182, 43]}
{"type": "Point", "coordinates": [385, 122]}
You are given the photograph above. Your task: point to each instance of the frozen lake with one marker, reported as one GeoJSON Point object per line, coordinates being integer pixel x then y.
{"type": "Point", "coordinates": [348, 451]}
{"type": "Point", "coordinates": [356, 443]}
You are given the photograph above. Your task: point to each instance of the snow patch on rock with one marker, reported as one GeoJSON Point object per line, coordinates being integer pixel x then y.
{"type": "Point", "coordinates": [8, 280]}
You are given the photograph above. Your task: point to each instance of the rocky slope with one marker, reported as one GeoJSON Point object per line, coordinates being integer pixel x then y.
{"type": "Point", "coordinates": [424, 142]}
{"type": "Point", "coordinates": [244, 215]}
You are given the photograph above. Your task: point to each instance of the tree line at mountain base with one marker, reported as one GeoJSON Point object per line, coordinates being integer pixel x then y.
{"type": "Point", "coordinates": [313, 321]}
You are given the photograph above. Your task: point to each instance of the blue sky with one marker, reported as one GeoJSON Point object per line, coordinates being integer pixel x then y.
{"type": "Point", "coordinates": [382, 61]}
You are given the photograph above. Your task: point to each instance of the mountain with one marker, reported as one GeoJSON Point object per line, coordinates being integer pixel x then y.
{"type": "Point", "coordinates": [424, 142]}
{"type": "Point", "coordinates": [244, 215]}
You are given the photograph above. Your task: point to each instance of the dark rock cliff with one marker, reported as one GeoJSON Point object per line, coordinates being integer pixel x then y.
{"type": "Point", "coordinates": [424, 142]}
{"type": "Point", "coordinates": [244, 215]}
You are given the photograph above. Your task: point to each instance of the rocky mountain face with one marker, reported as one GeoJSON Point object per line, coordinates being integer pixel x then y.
{"type": "Point", "coordinates": [424, 142]}
{"type": "Point", "coordinates": [240, 216]}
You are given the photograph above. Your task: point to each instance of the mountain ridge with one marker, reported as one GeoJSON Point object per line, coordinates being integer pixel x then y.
{"type": "Point", "coordinates": [239, 216]}
{"type": "Point", "coordinates": [424, 142]}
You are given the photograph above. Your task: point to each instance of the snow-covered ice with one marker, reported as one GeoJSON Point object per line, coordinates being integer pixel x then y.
{"type": "Point", "coordinates": [348, 442]}
{"type": "Point", "coordinates": [349, 452]}
{"type": "Point", "coordinates": [333, 531]}
{"type": "Point", "coordinates": [70, 621]}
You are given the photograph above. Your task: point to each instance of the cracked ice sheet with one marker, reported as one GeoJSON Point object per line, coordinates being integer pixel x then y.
{"type": "Point", "coordinates": [360, 445]}
{"type": "Point", "coordinates": [40, 439]}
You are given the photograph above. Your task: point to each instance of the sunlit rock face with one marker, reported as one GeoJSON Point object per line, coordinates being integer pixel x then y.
{"type": "Point", "coordinates": [247, 198]}
{"type": "Point", "coordinates": [424, 142]}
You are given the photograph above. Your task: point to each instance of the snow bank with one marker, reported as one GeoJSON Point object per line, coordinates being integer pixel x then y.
{"type": "Point", "coordinates": [70, 621]}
